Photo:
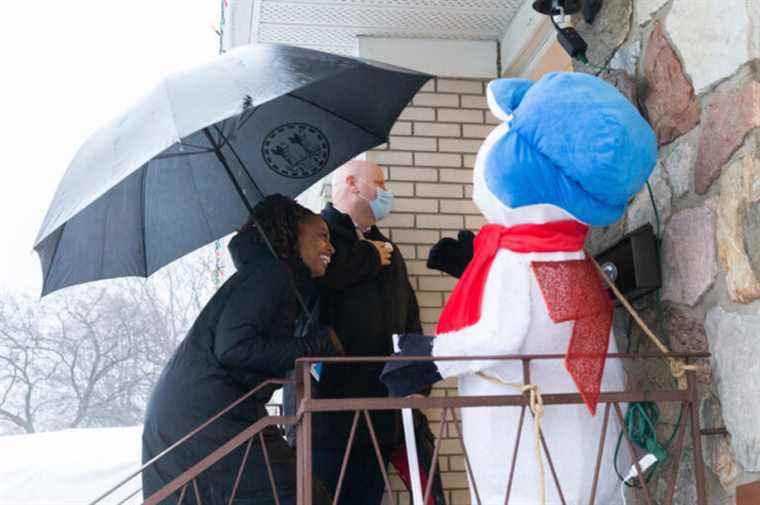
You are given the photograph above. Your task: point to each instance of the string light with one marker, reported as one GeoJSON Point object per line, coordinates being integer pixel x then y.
{"type": "Point", "coordinates": [220, 31]}
{"type": "Point", "coordinates": [218, 275]}
{"type": "Point", "coordinates": [218, 263]}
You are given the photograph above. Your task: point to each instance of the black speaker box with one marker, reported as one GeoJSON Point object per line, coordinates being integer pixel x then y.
{"type": "Point", "coordinates": [635, 262]}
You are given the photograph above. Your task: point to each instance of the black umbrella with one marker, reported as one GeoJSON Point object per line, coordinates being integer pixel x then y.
{"type": "Point", "coordinates": [187, 163]}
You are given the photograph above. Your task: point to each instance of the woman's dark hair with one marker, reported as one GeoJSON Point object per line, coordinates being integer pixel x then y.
{"type": "Point", "coordinates": [278, 217]}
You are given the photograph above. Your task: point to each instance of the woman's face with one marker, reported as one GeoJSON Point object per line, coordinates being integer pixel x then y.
{"type": "Point", "coordinates": [314, 245]}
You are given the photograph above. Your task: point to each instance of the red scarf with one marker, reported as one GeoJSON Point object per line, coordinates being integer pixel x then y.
{"type": "Point", "coordinates": [463, 307]}
{"type": "Point", "coordinates": [572, 290]}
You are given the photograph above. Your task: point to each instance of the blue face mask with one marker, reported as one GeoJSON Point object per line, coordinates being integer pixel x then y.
{"type": "Point", "coordinates": [382, 204]}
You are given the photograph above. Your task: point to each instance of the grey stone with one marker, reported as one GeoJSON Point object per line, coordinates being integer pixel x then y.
{"type": "Point", "coordinates": [752, 236]}
{"type": "Point", "coordinates": [600, 239]}
{"type": "Point", "coordinates": [627, 57]}
{"type": "Point", "coordinates": [679, 164]}
{"type": "Point", "coordinates": [735, 347]}
{"type": "Point", "coordinates": [717, 452]}
{"type": "Point", "coordinates": [689, 258]}
{"type": "Point", "coordinates": [609, 31]}
{"type": "Point", "coordinates": [753, 12]}
{"type": "Point", "coordinates": [645, 374]}
{"type": "Point", "coordinates": [713, 37]}
{"type": "Point", "coordinates": [640, 211]}
{"type": "Point", "coordinates": [685, 491]}
{"type": "Point", "coordinates": [737, 232]}
{"type": "Point", "coordinates": [686, 488]}
{"type": "Point", "coordinates": [645, 9]}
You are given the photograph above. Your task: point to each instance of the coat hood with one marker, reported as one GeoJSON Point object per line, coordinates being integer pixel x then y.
{"type": "Point", "coordinates": [245, 249]}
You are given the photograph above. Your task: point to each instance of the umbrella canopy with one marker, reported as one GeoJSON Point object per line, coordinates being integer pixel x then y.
{"type": "Point", "coordinates": [185, 165]}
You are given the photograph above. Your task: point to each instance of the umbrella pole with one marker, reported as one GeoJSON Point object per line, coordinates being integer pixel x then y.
{"type": "Point", "coordinates": [410, 441]}
{"type": "Point", "coordinates": [238, 188]}
{"type": "Point", "coordinates": [247, 203]}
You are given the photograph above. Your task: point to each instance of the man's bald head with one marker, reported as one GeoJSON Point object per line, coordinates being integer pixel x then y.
{"type": "Point", "coordinates": [355, 168]}
{"type": "Point", "coordinates": [354, 185]}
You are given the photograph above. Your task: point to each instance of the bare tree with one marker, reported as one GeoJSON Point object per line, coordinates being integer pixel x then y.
{"type": "Point", "coordinates": [26, 367]}
{"type": "Point", "coordinates": [89, 356]}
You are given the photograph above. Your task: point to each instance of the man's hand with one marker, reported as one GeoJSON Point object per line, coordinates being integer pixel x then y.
{"type": "Point", "coordinates": [384, 249]}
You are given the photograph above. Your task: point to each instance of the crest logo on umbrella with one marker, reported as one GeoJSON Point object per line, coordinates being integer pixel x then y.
{"type": "Point", "coordinates": [296, 150]}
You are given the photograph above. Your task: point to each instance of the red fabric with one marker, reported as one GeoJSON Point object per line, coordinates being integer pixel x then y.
{"type": "Point", "coordinates": [463, 307]}
{"type": "Point", "coordinates": [401, 463]}
{"type": "Point", "coordinates": [573, 291]}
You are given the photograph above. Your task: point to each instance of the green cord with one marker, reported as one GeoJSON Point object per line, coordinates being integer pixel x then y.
{"type": "Point", "coordinates": [658, 245]}
{"type": "Point", "coordinates": [656, 217]}
{"type": "Point", "coordinates": [582, 58]}
{"type": "Point", "coordinates": [641, 418]}
{"type": "Point", "coordinates": [628, 336]}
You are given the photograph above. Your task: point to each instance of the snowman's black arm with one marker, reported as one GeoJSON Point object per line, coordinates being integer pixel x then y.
{"type": "Point", "coordinates": [403, 378]}
{"type": "Point", "coordinates": [452, 255]}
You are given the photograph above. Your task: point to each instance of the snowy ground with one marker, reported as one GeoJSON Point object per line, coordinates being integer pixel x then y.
{"type": "Point", "coordinates": [69, 467]}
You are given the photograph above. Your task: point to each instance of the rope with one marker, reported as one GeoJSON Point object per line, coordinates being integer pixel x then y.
{"type": "Point", "coordinates": [537, 407]}
{"type": "Point", "coordinates": [677, 367]}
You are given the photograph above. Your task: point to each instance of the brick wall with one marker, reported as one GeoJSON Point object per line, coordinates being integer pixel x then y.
{"type": "Point", "coordinates": [428, 162]}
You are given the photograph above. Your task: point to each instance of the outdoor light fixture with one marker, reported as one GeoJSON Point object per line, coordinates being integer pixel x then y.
{"type": "Point", "coordinates": [632, 263]}
{"type": "Point", "coordinates": [567, 36]}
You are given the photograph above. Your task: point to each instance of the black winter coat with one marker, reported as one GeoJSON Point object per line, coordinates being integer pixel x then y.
{"type": "Point", "coordinates": [242, 337]}
{"type": "Point", "coordinates": [365, 303]}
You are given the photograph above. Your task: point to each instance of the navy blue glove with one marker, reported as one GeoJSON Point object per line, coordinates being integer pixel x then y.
{"type": "Point", "coordinates": [452, 256]}
{"type": "Point", "coordinates": [404, 378]}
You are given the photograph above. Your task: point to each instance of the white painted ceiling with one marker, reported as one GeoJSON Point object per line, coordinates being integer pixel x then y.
{"type": "Point", "coordinates": [334, 25]}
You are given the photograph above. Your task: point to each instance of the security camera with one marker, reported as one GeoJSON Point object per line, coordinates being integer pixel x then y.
{"type": "Point", "coordinates": [557, 7]}
{"type": "Point", "coordinates": [590, 8]}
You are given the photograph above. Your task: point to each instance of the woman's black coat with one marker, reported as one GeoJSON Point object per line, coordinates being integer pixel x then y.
{"type": "Point", "coordinates": [243, 336]}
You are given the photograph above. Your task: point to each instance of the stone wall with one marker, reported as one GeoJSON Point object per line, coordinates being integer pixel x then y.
{"type": "Point", "coordinates": [693, 67]}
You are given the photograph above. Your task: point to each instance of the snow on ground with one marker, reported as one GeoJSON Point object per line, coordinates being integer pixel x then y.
{"type": "Point", "coordinates": [69, 467]}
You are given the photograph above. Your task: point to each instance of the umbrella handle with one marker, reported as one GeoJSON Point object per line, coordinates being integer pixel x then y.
{"type": "Point", "coordinates": [223, 161]}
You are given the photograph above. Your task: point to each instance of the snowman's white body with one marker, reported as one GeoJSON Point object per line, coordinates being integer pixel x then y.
{"type": "Point", "coordinates": [514, 320]}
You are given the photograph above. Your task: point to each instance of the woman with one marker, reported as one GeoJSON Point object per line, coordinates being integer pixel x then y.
{"type": "Point", "coordinates": [245, 335]}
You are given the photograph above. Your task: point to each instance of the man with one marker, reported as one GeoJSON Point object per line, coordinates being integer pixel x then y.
{"type": "Point", "coordinates": [366, 297]}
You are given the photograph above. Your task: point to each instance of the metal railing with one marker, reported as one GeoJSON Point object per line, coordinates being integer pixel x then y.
{"type": "Point", "coordinates": [309, 405]}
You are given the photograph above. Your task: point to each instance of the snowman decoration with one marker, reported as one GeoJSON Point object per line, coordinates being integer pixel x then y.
{"type": "Point", "coordinates": [569, 153]}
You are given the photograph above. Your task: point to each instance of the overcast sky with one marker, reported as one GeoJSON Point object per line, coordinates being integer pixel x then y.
{"type": "Point", "coordinates": [68, 67]}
